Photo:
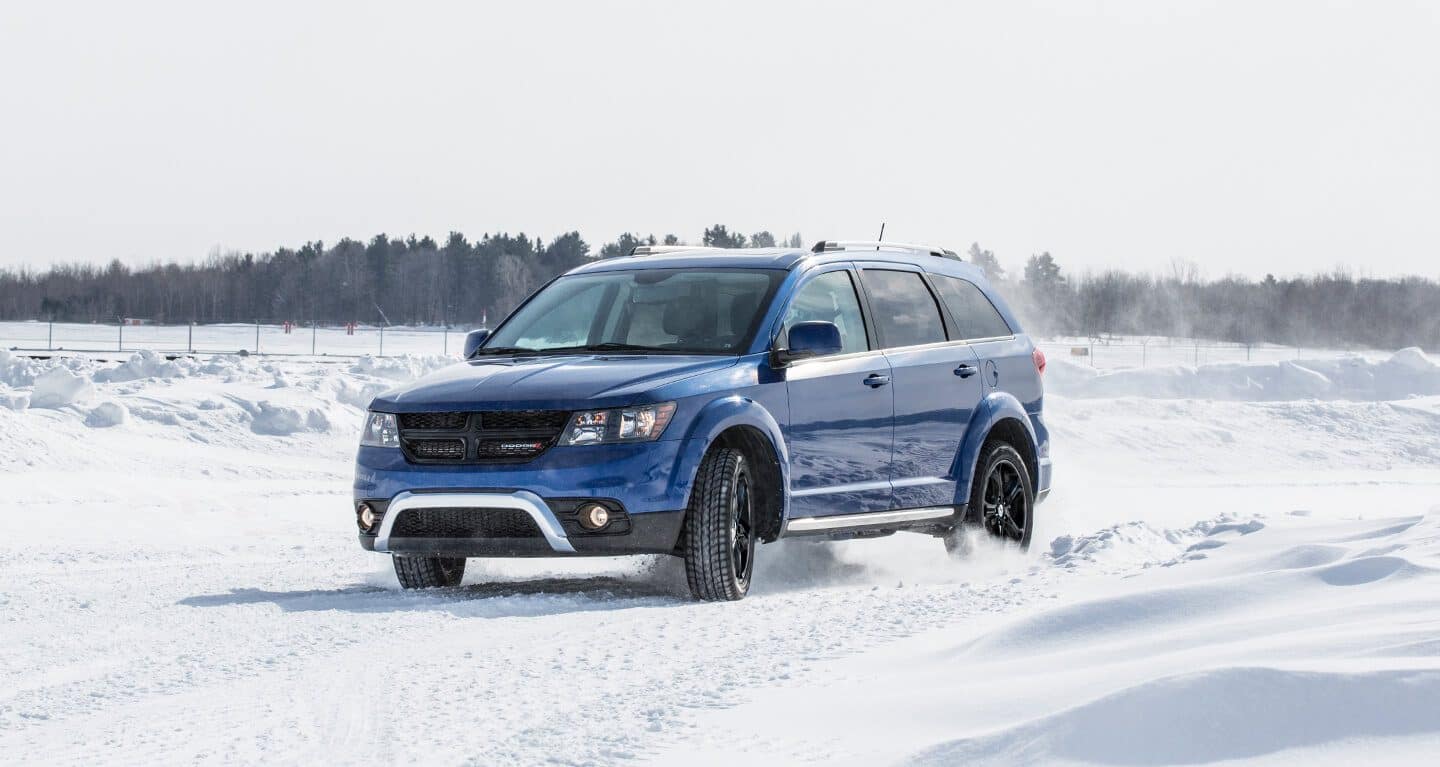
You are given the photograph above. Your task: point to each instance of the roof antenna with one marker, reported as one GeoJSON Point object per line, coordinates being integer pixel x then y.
{"type": "Point", "coordinates": [881, 238]}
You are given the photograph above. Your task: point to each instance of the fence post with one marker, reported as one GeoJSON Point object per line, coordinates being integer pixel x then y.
{"type": "Point", "coordinates": [257, 336]}
{"type": "Point", "coordinates": [1197, 355]}
{"type": "Point", "coordinates": [120, 344]}
{"type": "Point", "coordinates": [1145, 347]}
{"type": "Point", "coordinates": [382, 340]}
{"type": "Point", "coordinates": [1092, 353]}
{"type": "Point", "coordinates": [445, 348]}
{"type": "Point", "coordinates": [1247, 352]}
{"type": "Point", "coordinates": [50, 337]}
{"type": "Point", "coordinates": [312, 338]}
{"type": "Point", "coordinates": [190, 337]}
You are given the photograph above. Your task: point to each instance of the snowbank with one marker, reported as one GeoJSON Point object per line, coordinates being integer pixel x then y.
{"type": "Point", "coordinates": [58, 387]}
{"type": "Point", "coordinates": [1407, 373]}
{"type": "Point", "coordinates": [146, 364]}
{"type": "Point", "coordinates": [107, 414]}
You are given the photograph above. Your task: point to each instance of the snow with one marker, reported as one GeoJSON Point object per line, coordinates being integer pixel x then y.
{"type": "Point", "coordinates": [58, 387]}
{"type": "Point", "coordinates": [1239, 563]}
{"type": "Point", "coordinates": [1406, 373]}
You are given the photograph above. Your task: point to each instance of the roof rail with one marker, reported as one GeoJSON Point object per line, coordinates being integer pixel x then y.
{"type": "Point", "coordinates": [655, 250]}
{"type": "Point", "coordinates": [825, 246]}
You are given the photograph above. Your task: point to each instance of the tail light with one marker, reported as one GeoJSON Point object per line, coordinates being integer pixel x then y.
{"type": "Point", "coordinates": [1039, 358]}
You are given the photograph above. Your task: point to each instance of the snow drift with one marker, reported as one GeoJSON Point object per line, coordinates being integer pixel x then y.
{"type": "Point", "coordinates": [1407, 373]}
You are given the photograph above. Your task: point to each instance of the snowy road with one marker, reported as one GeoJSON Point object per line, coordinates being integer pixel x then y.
{"type": "Point", "coordinates": [1216, 577]}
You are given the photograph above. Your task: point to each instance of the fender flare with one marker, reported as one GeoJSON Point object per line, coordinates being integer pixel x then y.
{"type": "Point", "coordinates": [713, 419]}
{"type": "Point", "coordinates": [997, 406]}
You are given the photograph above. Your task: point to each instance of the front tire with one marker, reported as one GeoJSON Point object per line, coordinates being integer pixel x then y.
{"type": "Point", "coordinates": [720, 530]}
{"type": "Point", "coordinates": [1002, 501]}
{"type": "Point", "coordinates": [428, 572]}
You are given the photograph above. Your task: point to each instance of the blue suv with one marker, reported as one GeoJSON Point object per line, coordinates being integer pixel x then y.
{"type": "Point", "coordinates": [696, 402]}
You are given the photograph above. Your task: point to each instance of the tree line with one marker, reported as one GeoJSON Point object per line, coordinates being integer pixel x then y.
{"type": "Point", "coordinates": [460, 282]}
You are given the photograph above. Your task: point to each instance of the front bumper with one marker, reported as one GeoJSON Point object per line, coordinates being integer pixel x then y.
{"type": "Point", "coordinates": [639, 479]}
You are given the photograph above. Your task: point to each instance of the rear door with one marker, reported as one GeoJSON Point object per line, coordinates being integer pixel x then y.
{"type": "Point", "coordinates": [841, 407]}
{"type": "Point", "coordinates": [937, 384]}
{"type": "Point", "coordinates": [1005, 358]}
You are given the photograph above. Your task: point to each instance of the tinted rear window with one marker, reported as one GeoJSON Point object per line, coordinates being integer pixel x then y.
{"type": "Point", "coordinates": [975, 316]}
{"type": "Point", "coordinates": [905, 311]}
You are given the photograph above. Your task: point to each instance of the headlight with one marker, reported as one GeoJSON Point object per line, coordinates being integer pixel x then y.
{"type": "Point", "coordinates": [624, 424]}
{"type": "Point", "coordinates": [380, 431]}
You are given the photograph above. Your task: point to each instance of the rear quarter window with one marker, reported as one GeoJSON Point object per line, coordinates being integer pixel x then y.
{"type": "Point", "coordinates": [974, 315]}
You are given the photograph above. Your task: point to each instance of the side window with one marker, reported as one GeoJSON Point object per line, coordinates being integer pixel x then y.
{"type": "Point", "coordinates": [905, 310]}
{"type": "Point", "coordinates": [973, 312]}
{"type": "Point", "coordinates": [830, 298]}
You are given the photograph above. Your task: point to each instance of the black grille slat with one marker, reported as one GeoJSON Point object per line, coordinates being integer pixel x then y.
{"type": "Point", "coordinates": [433, 421]}
{"type": "Point", "coordinates": [465, 523]}
{"type": "Point", "coordinates": [437, 449]}
{"type": "Point", "coordinates": [523, 420]}
{"type": "Point", "coordinates": [486, 436]}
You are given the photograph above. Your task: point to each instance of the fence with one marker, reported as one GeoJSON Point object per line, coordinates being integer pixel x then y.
{"type": "Point", "coordinates": [254, 338]}
{"type": "Point", "coordinates": [359, 340]}
{"type": "Point", "coordinates": [1133, 353]}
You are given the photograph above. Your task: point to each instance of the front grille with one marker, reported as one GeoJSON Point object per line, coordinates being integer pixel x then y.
{"type": "Point", "coordinates": [488, 436]}
{"type": "Point", "coordinates": [437, 449]}
{"type": "Point", "coordinates": [433, 421]}
{"type": "Point", "coordinates": [465, 523]}
{"type": "Point", "coordinates": [523, 420]}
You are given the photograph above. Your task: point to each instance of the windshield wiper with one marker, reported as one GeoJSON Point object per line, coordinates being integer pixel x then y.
{"type": "Point", "coordinates": [504, 350]}
{"type": "Point", "coordinates": [615, 346]}
{"type": "Point", "coordinates": [608, 346]}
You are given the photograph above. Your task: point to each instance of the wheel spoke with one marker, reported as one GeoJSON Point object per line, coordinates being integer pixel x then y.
{"type": "Point", "coordinates": [1014, 493]}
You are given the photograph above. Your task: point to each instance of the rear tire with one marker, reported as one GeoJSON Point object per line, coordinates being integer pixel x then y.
{"type": "Point", "coordinates": [1002, 502]}
{"type": "Point", "coordinates": [720, 529]}
{"type": "Point", "coordinates": [428, 572]}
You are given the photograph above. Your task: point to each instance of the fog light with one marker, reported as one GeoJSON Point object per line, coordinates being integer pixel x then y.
{"type": "Point", "coordinates": [594, 516]}
{"type": "Point", "coordinates": [366, 517]}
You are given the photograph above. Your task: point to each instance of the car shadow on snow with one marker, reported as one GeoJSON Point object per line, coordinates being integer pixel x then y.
{"type": "Point", "coordinates": [498, 599]}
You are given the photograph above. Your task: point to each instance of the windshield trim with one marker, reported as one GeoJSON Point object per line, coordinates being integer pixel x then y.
{"type": "Point", "coordinates": [777, 279]}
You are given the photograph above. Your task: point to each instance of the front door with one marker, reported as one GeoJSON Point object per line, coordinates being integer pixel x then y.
{"type": "Point", "coordinates": [841, 407]}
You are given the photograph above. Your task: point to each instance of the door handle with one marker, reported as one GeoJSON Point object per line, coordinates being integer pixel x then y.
{"type": "Point", "coordinates": [966, 370]}
{"type": "Point", "coordinates": [876, 380]}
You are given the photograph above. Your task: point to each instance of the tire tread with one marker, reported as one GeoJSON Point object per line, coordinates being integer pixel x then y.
{"type": "Point", "coordinates": [709, 566]}
{"type": "Point", "coordinates": [427, 572]}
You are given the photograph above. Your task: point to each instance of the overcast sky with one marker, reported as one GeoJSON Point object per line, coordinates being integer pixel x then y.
{"type": "Point", "coordinates": [1248, 137]}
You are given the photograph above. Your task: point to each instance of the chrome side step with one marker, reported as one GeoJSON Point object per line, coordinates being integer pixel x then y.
{"type": "Point", "coordinates": [866, 519]}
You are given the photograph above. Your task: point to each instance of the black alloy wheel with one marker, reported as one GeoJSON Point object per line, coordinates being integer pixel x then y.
{"type": "Point", "coordinates": [1002, 502]}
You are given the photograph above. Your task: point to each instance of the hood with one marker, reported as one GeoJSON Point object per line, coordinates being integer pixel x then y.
{"type": "Point", "coordinates": [560, 382]}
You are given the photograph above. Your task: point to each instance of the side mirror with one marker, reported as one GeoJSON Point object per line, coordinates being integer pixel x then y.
{"type": "Point", "coordinates": [809, 339]}
{"type": "Point", "coordinates": [473, 341]}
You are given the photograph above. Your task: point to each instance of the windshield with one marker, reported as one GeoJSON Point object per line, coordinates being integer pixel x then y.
{"type": "Point", "coordinates": [674, 311]}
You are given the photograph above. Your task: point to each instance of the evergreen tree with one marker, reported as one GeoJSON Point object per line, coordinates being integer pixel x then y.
{"type": "Point", "coordinates": [762, 240]}
{"type": "Point", "coordinates": [720, 237]}
{"type": "Point", "coordinates": [986, 261]}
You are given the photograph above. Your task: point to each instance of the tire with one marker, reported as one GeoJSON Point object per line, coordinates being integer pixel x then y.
{"type": "Point", "coordinates": [1002, 502]}
{"type": "Point", "coordinates": [720, 529]}
{"type": "Point", "coordinates": [428, 572]}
